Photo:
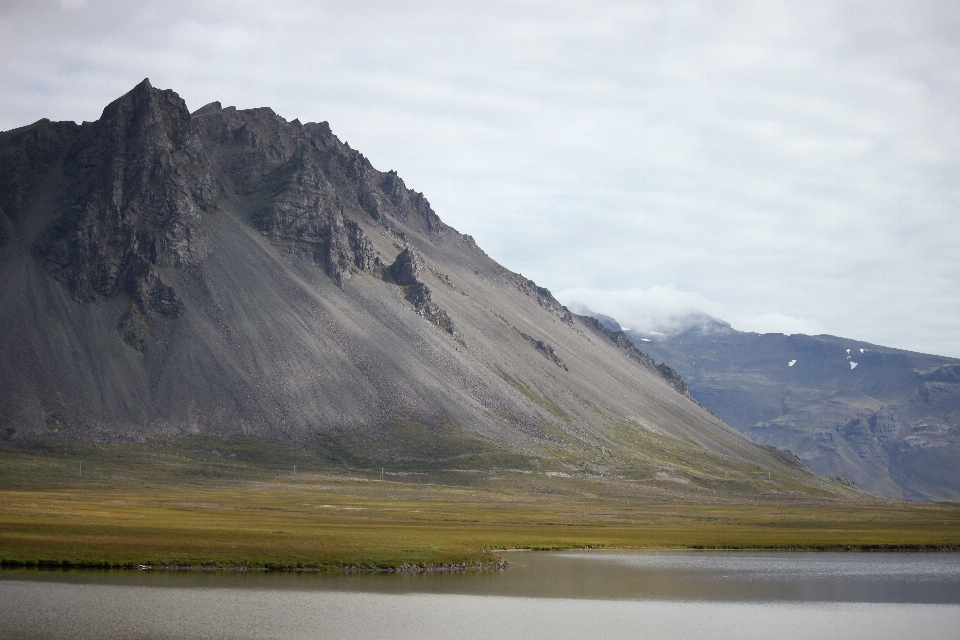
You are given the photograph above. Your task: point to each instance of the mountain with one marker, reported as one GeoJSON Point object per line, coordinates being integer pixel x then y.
{"type": "Point", "coordinates": [885, 418]}
{"type": "Point", "coordinates": [229, 273]}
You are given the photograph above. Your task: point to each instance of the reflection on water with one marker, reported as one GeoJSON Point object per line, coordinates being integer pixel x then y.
{"type": "Point", "coordinates": [560, 595]}
{"type": "Point", "coordinates": [757, 577]}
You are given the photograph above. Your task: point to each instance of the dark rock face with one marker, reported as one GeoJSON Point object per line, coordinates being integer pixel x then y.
{"type": "Point", "coordinates": [137, 181]}
{"type": "Point", "coordinates": [405, 271]}
{"type": "Point", "coordinates": [306, 210]}
{"type": "Point", "coordinates": [26, 158]}
{"type": "Point", "coordinates": [134, 328]}
{"type": "Point", "coordinates": [673, 378]}
{"type": "Point", "coordinates": [227, 272]}
{"type": "Point", "coordinates": [388, 198]}
{"type": "Point", "coordinates": [545, 350]}
{"type": "Point", "coordinates": [419, 295]}
{"type": "Point", "coordinates": [891, 423]}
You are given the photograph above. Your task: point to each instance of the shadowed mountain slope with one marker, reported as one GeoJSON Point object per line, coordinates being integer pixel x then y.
{"type": "Point", "coordinates": [885, 418]}
{"type": "Point", "coordinates": [227, 272]}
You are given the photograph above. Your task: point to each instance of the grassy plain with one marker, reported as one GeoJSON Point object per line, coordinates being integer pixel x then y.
{"type": "Point", "coordinates": [207, 502]}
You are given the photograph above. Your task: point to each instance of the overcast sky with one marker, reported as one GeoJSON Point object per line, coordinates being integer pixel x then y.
{"type": "Point", "coordinates": [784, 166]}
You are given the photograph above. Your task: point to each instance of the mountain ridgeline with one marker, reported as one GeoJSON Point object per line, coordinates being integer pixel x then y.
{"type": "Point", "coordinates": [229, 273]}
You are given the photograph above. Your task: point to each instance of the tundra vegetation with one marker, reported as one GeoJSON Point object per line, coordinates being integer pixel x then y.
{"type": "Point", "coordinates": [202, 502]}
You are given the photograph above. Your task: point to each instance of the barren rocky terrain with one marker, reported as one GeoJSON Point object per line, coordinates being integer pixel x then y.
{"type": "Point", "coordinates": [230, 273]}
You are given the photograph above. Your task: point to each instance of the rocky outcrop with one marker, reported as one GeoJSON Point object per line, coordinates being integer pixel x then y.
{"type": "Point", "coordinates": [790, 458]}
{"type": "Point", "coordinates": [949, 373]}
{"type": "Point", "coordinates": [544, 349]}
{"type": "Point", "coordinates": [304, 208]}
{"type": "Point", "coordinates": [138, 182]}
{"type": "Point", "coordinates": [385, 197]}
{"type": "Point", "coordinates": [405, 271]}
{"type": "Point", "coordinates": [264, 154]}
{"type": "Point", "coordinates": [624, 343]}
{"type": "Point", "coordinates": [419, 295]}
{"type": "Point", "coordinates": [673, 378]}
{"type": "Point", "coordinates": [543, 297]}
{"type": "Point", "coordinates": [312, 184]}
{"type": "Point", "coordinates": [852, 435]}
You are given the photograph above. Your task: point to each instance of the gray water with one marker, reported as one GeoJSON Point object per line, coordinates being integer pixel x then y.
{"type": "Point", "coordinates": [541, 595]}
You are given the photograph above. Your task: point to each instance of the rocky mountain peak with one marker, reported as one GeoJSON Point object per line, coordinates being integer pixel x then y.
{"type": "Point", "coordinates": [144, 120]}
{"type": "Point", "coordinates": [137, 181]}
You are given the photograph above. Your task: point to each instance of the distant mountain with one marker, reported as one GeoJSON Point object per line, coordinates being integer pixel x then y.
{"type": "Point", "coordinates": [228, 272]}
{"type": "Point", "coordinates": [885, 418]}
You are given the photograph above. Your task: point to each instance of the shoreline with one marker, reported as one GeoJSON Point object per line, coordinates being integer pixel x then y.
{"type": "Point", "coordinates": [849, 548]}
{"type": "Point", "coordinates": [412, 568]}
{"type": "Point", "coordinates": [407, 568]}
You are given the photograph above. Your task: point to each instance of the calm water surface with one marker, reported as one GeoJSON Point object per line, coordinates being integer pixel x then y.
{"type": "Point", "coordinates": [557, 595]}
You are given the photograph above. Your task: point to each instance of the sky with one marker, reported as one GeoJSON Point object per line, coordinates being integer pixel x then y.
{"type": "Point", "coordinates": [784, 166]}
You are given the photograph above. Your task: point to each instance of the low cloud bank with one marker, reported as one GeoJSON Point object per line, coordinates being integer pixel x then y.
{"type": "Point", "coordinates": [664, 309]}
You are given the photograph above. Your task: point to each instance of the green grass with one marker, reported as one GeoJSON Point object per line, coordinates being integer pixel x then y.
{"type": "Point", "coordinates": [236, 502]}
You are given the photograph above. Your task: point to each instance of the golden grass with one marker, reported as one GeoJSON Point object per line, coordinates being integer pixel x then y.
{"type": "Point", "coordinates": [328, 521]}
{"type": "Point", "coordinates": [204, 501]}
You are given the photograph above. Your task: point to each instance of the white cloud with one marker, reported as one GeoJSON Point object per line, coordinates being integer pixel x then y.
{"type": "Point", "coordinates": [665, 308]}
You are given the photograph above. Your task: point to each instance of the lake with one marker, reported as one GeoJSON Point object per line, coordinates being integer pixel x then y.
{"type": "Point", "coordinates": [596, 594]}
